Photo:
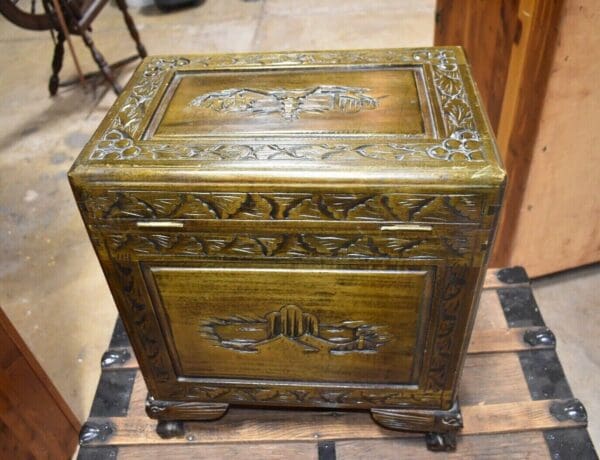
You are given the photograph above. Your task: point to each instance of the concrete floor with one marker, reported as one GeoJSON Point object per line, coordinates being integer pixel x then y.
{"type": "Point", "coordinates": [51, 285]}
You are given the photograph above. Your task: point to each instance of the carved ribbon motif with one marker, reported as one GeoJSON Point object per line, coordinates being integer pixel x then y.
{"type": "Point", "coordinates": [291, 325]}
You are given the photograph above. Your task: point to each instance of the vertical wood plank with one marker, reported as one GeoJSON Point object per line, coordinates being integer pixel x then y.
{"type": "Point", "coordinates": [510, 45]}
{"type": "Point", "coordinates": [33, 416]}
{"type": "Point", "coordinates": [486, 30]}
{"type": "Point", "coordinates": [528, 74]}
{"type": "Point", "coordinates": [562, 188]}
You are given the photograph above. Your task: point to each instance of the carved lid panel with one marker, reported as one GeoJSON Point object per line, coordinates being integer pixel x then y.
{"type": "Point", "coordinates": [387, 116]}
{"type": "Point", "coordinates": [291, 102]}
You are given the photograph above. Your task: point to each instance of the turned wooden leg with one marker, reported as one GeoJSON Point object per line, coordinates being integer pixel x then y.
{"type": "Point", "coordinates": [440, 426]}
{"type": "Point", "coordinates": [99, 59]}
{"type": "Point", "coordinates": [171, 414]}
{"type": "Point", "coordinates": [122, 4]}
{"type": "Point", "coordinates": [57, 61]}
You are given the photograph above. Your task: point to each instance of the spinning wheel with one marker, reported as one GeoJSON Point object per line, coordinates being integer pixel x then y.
{"type": "Point", "coordinates": [66, 17]}
{"type": "Point", "coordinates": [28, 14]}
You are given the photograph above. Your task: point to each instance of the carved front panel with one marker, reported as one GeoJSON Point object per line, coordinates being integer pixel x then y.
{"type": "Point", "coordinates": [292, 324]}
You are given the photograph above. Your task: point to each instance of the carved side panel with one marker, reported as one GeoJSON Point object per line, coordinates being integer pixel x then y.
{"type": "Point", "coordinates": [280, 206]}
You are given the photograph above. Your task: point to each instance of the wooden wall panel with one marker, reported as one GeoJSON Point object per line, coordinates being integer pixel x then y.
{"type": "Point", "coordinates": [486, 29]}
{"type": "Point", "coordinates": [511, 46]}
{"type": "Point", "coordinates": [558, 225]}
{"type": "Point", "coordinates": [35, 422]}
{"type": "Point", "coordinates": [524, 98]}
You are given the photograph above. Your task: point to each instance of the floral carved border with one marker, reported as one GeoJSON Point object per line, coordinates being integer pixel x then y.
{"type": "Point", "coordinates": [119, 142]}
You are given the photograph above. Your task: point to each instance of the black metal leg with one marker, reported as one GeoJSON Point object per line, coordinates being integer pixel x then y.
{"type": "Point", "coordinates": [57, 61]}
{"type": "Point", "coordinates": [122, 4]}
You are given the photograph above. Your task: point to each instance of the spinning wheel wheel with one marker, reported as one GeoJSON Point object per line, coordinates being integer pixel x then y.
{"type": "Point", "coordinates": [28, 14]}
{"type": "Point", "coordinates": [68, 17]}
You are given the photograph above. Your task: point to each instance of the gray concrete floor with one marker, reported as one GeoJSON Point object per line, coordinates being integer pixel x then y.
{"type": "Point", "coordinates": [51, 285]}
{"type": "Point", "coordinates": [570, 305]}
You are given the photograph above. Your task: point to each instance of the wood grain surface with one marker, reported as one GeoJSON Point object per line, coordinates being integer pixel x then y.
{"type": "Point", "coordinates": [35, 421]}
{"type": "Point", "coordinates": [560, 200]}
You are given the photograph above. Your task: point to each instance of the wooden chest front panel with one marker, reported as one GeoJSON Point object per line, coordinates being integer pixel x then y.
{"type": "Point", "coordinates": [306, 313]}
{"type": "Point", "coordinates": [294, 322]}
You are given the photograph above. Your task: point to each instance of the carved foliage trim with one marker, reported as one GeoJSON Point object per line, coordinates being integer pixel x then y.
{"type": "Point", "coordinates": [452, 300]}
{"type": "Point", "coordinates": [146, 328]}
{"type": "Point", "coordinates": [462, 143]}
{"type": "Point", "coordinates": [288, 245]}
{"type": "Point", "coordinates": [279, 206]}
{"type": "Point", "coordinates": [329, 396]}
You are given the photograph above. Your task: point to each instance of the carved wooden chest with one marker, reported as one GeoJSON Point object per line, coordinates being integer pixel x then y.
{"type": "Point", "coordinates": [296, 229]}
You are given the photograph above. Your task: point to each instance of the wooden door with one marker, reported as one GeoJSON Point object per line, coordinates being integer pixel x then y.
{"type": "Point", "coordinates": [534, 62]}
{"type": "Point", "coordinates": [35, 422]}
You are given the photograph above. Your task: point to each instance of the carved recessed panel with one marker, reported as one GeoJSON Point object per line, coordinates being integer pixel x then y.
{"type": "Point", "coordinates": [344, 325]}
{"type": "Point", "coordinates": [320, 102]}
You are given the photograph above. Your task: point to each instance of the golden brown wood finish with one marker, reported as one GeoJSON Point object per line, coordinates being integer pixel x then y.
{"type": "Point", "coordinates": [220, 326]}
{"type": "Point", "coordinates": [35, 421]}
{"type": "Point", "coordinates": [308, 238]}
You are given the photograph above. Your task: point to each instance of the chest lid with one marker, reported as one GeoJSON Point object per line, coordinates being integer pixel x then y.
{"type": "Point", "coordinates": [386, 116]}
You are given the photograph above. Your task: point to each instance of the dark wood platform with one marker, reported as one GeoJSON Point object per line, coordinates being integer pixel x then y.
{"type": "Point", "coordinates": [516, 403]}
